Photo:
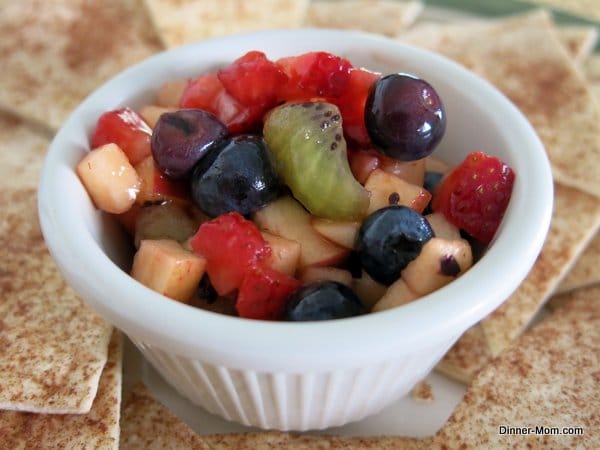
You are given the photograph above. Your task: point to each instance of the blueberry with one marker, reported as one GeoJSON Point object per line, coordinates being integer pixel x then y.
{"type": "Point", "coordinates": [389, 239]}
{"type": "Point", "coordinates": [323, 300]}
{"type": "Point", "coordinates": [432, 179]}
{"type": "Point", "coordinates": [404, 116]}
{"type": "Point", "coordinates": [181, 138]}
{"type": "Point", "coordinates": [237, 176]}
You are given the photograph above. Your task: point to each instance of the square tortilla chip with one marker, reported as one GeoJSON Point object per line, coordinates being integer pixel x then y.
{"type": "Point", "coordinates": [591, 67]}
{"type": "Point", "coordinates": [575, 220]}
{"type": "Point", "coordinates": [52, 346]}
{"type": "Point", "coordinates": [586, 270]}
{"type": "Point", "coordinates": [180, 22]}
{"type": "Point", "coordinates": [578, 40]}
{"type": "Point", "coordinates": [55, 53]}
{"type": "Point", "coordinates": [386, 17]}
{"type": "Point", "coordinates": [582, 8]}
{"type": "Point", "coordinates": [99, 428]}
{"type": "Point", "coordinates": [146, 424]}
{"type": "Point", "coordinates": [545, 84]}
{"type": "Point", "coordinates": [548, 378]}
{"type": "Point", "coordinates": [467, 356]}
{"type": "Point", "coordinates": [266, 440]}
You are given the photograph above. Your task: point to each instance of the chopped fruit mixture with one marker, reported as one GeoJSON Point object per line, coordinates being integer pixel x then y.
{"type": "Point", "coordinates": [294, 189]}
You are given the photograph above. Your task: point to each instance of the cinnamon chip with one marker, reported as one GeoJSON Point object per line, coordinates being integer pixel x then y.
{"type": "Point", "coordinates": [579, 40]}
{"type": "Point", "coordinates": [99, 428]}
{"type": "Point", "coordinates": [146, 424]}
{"type": "Point", "coordinates": [56, 53]}
{"type": "Point", "coordinates": [467, 356]}
{"type": "Point", "coordinates": [575, 220]}
{"type": "Point", "coordinates": [181, 23]}
{"type": "Point", "coordinates": [546, 381]}
{"type": "Point", "coordinates": [52, 346]}
{"type": "Point", "coordinates": [422, 392]}
{"type": "Point", "coordinates": [387, 17]}
{"type": "Point", "coordinates": [586, 270]}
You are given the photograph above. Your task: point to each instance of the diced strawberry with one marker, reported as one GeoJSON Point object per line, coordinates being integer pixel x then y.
{"type": "Point", "coordinates": [314, 74]}
{"type": "Point", "coordinates": [125, 128]}
{"type": "Point", "coordinates": [263, 293]}
{"type": "Point", "coordinates": [156, 186]}
{"type": "Point", "coordinates": [362, 163]}
{"type": "Point", "coordinates": [352, 105]}
{"type": "Point", "coordinates": [208, 93]}
{"type": "Point", "coordinates": [201, 92]}
{"type": "Point", "coordinates": [253, 80]}
{"type": "Point", "coordinates": [232, 246]}
{"type": "Point", "coordinates": [474, 195]}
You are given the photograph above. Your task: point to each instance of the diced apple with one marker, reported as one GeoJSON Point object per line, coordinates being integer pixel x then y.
{"type": "Point", "coordinates": [411, 171]}
{"type": "Point", "coordinates": [441, 227]}
{"type": "Point", "coordinates": [439, 262]}
{"type": "Point", "coordinates": [368, 290]}
{"type": "Point", "coordinates": [285, 253]}
{"type": "Point", "coordinates": [285, 217]}
{"type": "Point", "coordinates": [387, 189]}
{"type": "Point", "coordinates": [165, 267]}
{"type": "Point", "coordinates": [170, 93]}
{"type": "Point", "coordinates": [398, 294]}
{"type": "Point", "coordinates": [167, 220]}
{"type": "Point", "coordinates": [337, 231]}
{"type": "Point", "coordinates": [433, 164]}
{"type": "Point", "coordinates": [151, 113]}
{"type": "Point", "coordinates": [314, 273]}
{"type": "Point", "coordinates": [155, 186]}
{"type": "Point", "coordinates": [109, 178]}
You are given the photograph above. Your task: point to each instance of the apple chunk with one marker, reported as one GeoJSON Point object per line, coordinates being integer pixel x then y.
{"type": "Point", "coordinates": [388, 189]}
{"type": "Point", "coordinates": [441, 227]}
{"type": "Point", "coordinates": [315, 273]}
{"type": "Point", "coordinates": [439, 262]}
{"type": "Point", "coordinates": [285, 217]}
{"type": "Point", "coordinates": [285, 253]}
{"type": "Point", "coordinates": [411, 171]}
{"type": "Point", "coordinates": [169, 93]}
{"type": "Point", "coordinates": [167, 268]}
{"type": "Point", "coordinates": [151, 113]}
{"type": "Point", "coordinates": [397, 294]}
{"type": "Point", "coordinates": [109, 178]}
{"type": "Point", "coordinates": [337, 231]}
{"type": "Point", "coordinates": [368, 290]}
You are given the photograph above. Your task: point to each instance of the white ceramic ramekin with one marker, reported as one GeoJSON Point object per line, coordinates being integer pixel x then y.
{"type": "Point", "coordinates": [298, 376]}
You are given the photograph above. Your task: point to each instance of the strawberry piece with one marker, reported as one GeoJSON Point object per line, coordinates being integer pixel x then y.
{"type": "Point", "coordinates": [232, 247]}
{"type": "Point", "coordinates": [474, 195]}
{"type": "Point", "coordinates": [201, 93]}
{"type": "Point", "coordinates": [352, 105]}
{"type": "Point", "coordinates": [156, 186]}
{"type": "Point", "coordinates": [208, 93]}
{"type": "Point", "coordinates": [314, 74]}
{"type": "Point", "coordinates": [125, 128]}
{"type": "Point", "coordinates": [363, 162]}
{"type": "Point", "coordinates": [253, 80]}
{"type": "Point", "coordinates": [263, 293]}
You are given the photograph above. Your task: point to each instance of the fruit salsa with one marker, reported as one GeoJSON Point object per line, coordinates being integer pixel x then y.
{"type": "Point", "coordinates": [297, 189]}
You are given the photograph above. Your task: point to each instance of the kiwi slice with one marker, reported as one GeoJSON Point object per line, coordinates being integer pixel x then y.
{"type": "Point", "coordinates": [307, 145]}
